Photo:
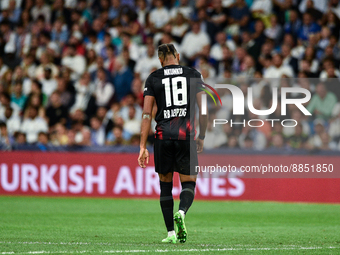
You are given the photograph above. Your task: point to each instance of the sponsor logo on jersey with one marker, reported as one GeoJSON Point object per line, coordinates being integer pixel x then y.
{"type": "Point", "coordinates": [173, 113]}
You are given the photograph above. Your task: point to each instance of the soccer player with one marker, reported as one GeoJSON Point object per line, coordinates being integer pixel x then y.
{"type": "Point", "coordinates": [169, 87]}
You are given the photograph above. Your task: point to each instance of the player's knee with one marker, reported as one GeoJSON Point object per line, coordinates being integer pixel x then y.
{"type": "Point", "coordinates": [165, 177]}
{"type": "Point", "coordinates": [187, 178]}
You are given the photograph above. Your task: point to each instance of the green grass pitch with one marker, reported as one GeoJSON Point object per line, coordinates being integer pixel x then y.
{"type": "Point", "coordinates": [31, 225]}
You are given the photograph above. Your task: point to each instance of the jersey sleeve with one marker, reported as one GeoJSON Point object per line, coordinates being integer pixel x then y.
{"type": "Point", "coordinates": [200, 82]}
{"type": "Point", "coordinates": [148, 88]}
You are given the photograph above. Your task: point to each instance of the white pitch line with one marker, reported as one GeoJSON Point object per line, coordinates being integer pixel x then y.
{"type": "Point", "coordinates": [175, 250]}
{"type": "Point", "coordinates": [128, 244]}
{"type": "Point", "coordinates": [51, 243]}
{"type": "Point", "coordinates": [121, 244]}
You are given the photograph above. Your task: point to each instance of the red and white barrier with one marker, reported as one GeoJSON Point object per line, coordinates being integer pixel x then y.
{"type": "Point", "coordinates": [118, 175]}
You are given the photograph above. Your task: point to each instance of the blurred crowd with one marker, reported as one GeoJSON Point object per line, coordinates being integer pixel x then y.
{"type": "Point", "coordinates": [72, 71]}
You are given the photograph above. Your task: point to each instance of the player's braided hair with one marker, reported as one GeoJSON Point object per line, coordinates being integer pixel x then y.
{"type": "Point", "coordinates": [166, 49]}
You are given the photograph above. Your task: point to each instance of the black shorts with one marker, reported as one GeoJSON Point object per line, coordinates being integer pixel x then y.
{"type": "Point", "coordinates": [175, 156]}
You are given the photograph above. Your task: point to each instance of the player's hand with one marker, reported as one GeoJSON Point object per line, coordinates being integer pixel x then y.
{"type": "Point", "coordinates": [199, 145]}
{"type": "Point", "coordinates": [143, 157]}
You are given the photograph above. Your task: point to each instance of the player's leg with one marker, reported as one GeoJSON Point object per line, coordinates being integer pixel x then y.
{"type": "Point", "coordinates": [164, 167]}
{"type": "Point", "coordinates": [187, 194]}
{"type": "Point", "coordinates": [167, 206]}
{"type": "Point", "coordinates": [186, 198]}
{"type": "Point", "coordinates": [186, 158]}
